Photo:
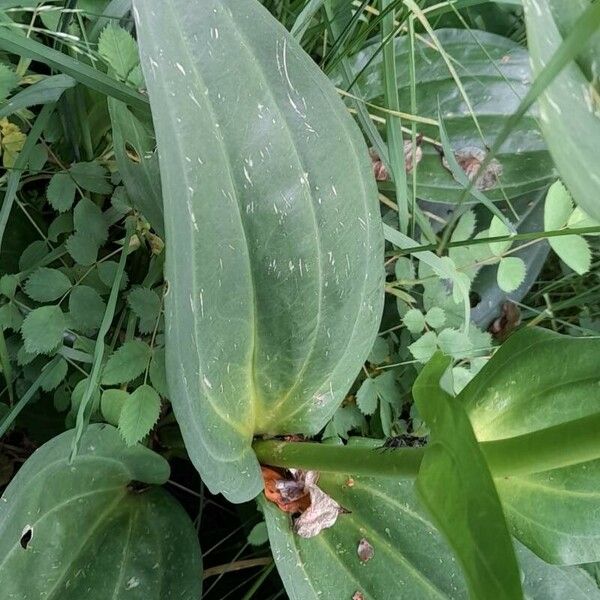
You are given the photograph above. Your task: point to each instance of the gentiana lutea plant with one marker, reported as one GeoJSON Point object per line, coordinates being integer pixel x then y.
{"type": "Point", "coordinates": [275, 288]}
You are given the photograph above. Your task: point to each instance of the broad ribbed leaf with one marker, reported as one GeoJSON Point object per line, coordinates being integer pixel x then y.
{"type": "Point", "coordinates": [73, 531]}
{"type": "Point", "coordinates": [569, 108]}
{"type": "Point", "coordinates": [536, 380]}
{"type": "Point", "coordinates": [410, 560]}
{"type": "Point", "coordinates": [274, 241]}
{"type": "Point", "coordinates": [457, 488]}
{"type": "Point", "coordinates": [494, 90]}
{"type": "Point", "coordinates": [542, 581]}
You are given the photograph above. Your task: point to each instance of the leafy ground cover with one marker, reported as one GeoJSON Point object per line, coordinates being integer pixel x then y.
{"type": "Point", "coordinates": [368, 251]}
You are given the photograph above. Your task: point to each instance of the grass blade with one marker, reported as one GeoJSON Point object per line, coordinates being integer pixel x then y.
{"type": "Point", "coordinates": [394, 124]}
{"type": "Point", "coordinates": [6, 367]}
{"type": "Point", "coordinates": [109, 313]}
{"type": "Point", "coordinates": [304, 18]}
{"type": "Point", "coordinates": [45, 91]}
{"type": "Point", "coordinates": [27, 396]}
{"type": "Point", "coordinates": [84, 74]}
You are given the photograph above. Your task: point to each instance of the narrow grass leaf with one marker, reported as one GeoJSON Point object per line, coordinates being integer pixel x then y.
{"type": "Point", "coordinates": [14, 176]}
{"type": "Point", "coordinates": [9, 419]}
{"type": "Point", "coordinates": [46, 91]}
{"type": "Point", "coordinates": [305, 17]}
{"type": "Point", "coordinates": [82, 413]}
{"type": "Point", "coordinates": [83, 73]}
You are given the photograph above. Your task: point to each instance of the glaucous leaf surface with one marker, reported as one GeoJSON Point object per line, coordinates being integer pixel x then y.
{"type": "Point", "coordinates": [274, 240]}
{"type": "Point", "coordinates": [457, 488]}
{"type": "Point", "coordinates": [411, 560]}
{"type": "Point", "coordinates": [494, 90]}
{"type": "Point", "coordinates": [73, 531]}
{"type": "Point", "coordinates": [542, 581]}
{"type": "Point", "coordinates": [538, 379]}
{"type": "Point", "coordinates": [569, 108]}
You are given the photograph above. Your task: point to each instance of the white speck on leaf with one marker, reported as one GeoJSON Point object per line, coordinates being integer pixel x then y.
{"type": "Point", "coordinates": [132, 583]}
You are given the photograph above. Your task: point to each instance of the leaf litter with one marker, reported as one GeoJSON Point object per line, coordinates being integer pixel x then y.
{"type": "Point", "coordinates": [296, 492]}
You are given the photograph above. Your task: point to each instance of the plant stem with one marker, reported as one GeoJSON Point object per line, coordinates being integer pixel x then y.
{"type": "Point", "coordinates": [552, 448]}
{"type": "Point", "coordinates": [556, 447]}
{"type": "Point", "coordinates": [355, 459]}
{"type": "Point", "coordinates": [533, 235]}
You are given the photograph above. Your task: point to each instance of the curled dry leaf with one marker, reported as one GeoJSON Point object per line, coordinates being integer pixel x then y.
{"type": "Point", "coordinates": [358, 596]}
{"type": "Point", "coordinates": [322, 512]}
{"type": "Point", "coordinates": [507, 322]}
{"type": "Point", "coordinates": [408, 153]}
{"type": "Point", "coordinates": [379, 169]}
{"type": "Point", "coordinates": [283, 490]}
{"type": "Point", "coordinates": [295, 491]}
{"type": "Point", "coordinates": [470, 159]}
{"type": "Point", "coordinates": [365, 551]}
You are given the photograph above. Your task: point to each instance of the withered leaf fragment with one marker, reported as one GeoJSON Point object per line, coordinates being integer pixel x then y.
{"type": "Point", "coordinates": [470, 159]}
{"type": "Point", "coordinates": [296, 491]}
{"type": "Point", "coordinates": [365, 551]}
{"type": "Point", "coordinates": [322, 512]}
{"type": "Point", "coordinates": [507, 322]}
{"type": "Point", "coordinates": [285, 491]}
{"type": "Point", "coordinates": [408, 153]}
{"type": "Point", "coordinates": [380, 170]}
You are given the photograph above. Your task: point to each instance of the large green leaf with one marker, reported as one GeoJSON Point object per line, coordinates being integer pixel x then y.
{"type": "Point", "coordinates": [542, 581]}
{"type": "Point", "coordinates": [570, 106]}
{"type": "Point", "coordinates": [274, 240]}
{"type": "Point", "coordinates": [536, 380]}
{"type": "Point", "coordinates": [82, 530]}
{"type": "Point", "coordinates": [411, 561]}
{"type": "Point", "coordinates": [494, 90]}
{"type": "Point", "coordinates": [456, 486]}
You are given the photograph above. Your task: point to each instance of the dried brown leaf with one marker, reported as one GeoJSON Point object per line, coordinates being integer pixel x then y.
{"type": "Point", "coordinates": [365, 551]}
{"type": "Point", "coordinates": [322, 512]}
{"type": "Point", "coordinates": [275, 481]}
{"type": "Point", "coordinates": [470, 160]}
